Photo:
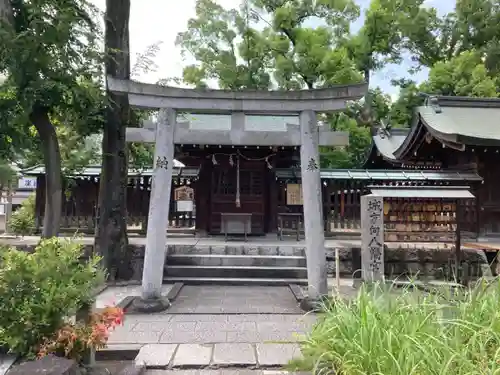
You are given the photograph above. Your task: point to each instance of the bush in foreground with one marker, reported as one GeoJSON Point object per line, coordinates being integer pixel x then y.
{"type": "Point", "coordinates": [407, 333]}
{"type": "Point", "coordinates": [22, 221]}
{"type": "Point", "coordinates": [39, 291]}
{"type": "Point", "coordinates": [73, 340]}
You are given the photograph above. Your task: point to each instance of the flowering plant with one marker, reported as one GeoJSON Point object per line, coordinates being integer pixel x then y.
{"type": "Point", "coordinates": [72, 340]}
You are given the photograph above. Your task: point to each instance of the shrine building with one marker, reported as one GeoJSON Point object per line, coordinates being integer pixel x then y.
{"type": "Point", "coordinates": [451, 141]}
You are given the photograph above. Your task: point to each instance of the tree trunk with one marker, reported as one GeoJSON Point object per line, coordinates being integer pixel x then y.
{"type": "Point", "coordinates": [6, 13]}
{"type": "Point", "coordinates": [111, 239]}
{"type": "Point", "coordinates": [53, 178]}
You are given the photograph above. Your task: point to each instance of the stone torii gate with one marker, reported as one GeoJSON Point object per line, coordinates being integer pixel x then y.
{"type": "Point", "coordinates": [308, 135]}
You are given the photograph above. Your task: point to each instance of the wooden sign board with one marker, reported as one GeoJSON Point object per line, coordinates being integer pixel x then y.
{"type": "Point", "coordinates": [294, 195]}
{"type": "Point", "coordinates": [184, 193]}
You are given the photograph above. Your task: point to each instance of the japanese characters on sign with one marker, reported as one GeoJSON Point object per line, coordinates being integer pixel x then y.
{"type": "Point", "coordinates": [372, 241]}
{"type": "Point", "coordinates": [27, 183]}
{"type": "Point", "coordinates": [294, 195]}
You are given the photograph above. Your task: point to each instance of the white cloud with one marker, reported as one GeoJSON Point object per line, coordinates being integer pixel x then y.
{"type": "Point", "coordinates": [153, 21]}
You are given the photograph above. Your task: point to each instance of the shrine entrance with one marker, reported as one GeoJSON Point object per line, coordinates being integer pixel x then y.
{"type": "Point", "coordinates": [239, 189]}
{"type": "Point", "coordinates": [167, 133]}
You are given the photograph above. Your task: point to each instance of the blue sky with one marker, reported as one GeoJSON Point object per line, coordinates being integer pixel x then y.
{"type": "Point", "coordinates": [155, 21]}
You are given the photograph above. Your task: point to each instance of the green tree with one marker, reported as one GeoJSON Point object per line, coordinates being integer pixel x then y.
{"type": "Point", "coordinates": [267, 44]}
{"type": "Point", "coordinates": [402, 109]}
{"type": "Point", "coordinates": [381, 38]}
{"type": "Point", "coordinates": [49, 53]}
{"type": "Point", "coordinates": [463, 75]}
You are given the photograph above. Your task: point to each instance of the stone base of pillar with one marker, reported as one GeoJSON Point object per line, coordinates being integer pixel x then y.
{"type": "Point", "coordinates": [153, 305]}
{"type": "Point", "coordinates": [309, 304]}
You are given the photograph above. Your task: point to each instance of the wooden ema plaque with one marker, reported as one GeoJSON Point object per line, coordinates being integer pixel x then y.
{"type": "Point", "coordinates": [294, 195]}
{"type": "Point", "coordinates": [184, 193]}
{"type": "Point", "coordinates": [419, 220]}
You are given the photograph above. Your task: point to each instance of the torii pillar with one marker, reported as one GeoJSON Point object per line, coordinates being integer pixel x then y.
{"type": "Point", "coordinates": [308, 136]}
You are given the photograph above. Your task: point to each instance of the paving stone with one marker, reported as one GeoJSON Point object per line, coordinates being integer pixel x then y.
{"type": "Point", "coordinates": [193, 355]}
{"type": "Point", "coordinates": [199, 318]}
{"type": "Point", "coordinates": [156, 355]}
{"type": "Point", "coordinates": [282, 336]}
{"type": "Point", "coordinates": [282, 326]}
{"type": "Point", "coordinates": [208, 299]}
{"type": "Point", "coordinates": [151, 326]}
{"type": "Point", "coordinates": [205, 372]}
{"type": "Point", "coordinates": [226, 326]}
{"type": "Point", "coordinates": [239, 336]}
{"type": "Point", "coordinates": [234, 354]}
{"type": "Point", "coordinates": [237, 318]}
{"type": "Point", "coordinates": [276, 354]}
{"type": "Point", "coordinates": [199, 337]}
{"type": "Point", "coordinates": [139, 337]}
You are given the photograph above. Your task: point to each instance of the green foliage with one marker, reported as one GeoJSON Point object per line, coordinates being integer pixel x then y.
{"type": "Point", "coordinates": [40, 290]}
{"type": "Point", "coordinates": [54, 66]}
{"type": "Point", "coordinates": [394, 332]}
{"type": "Point", "coordinates": [463, 75]}
{"type": "Point", "coordinates": [7, 176]}
{"type": "Point", "coordinates": [353, 155]}
{"type": "Point", "coordinates": [22, 221]}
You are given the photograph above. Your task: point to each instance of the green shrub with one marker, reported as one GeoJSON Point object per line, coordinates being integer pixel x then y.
{"type": "Point", "coordinates": [39, 291]}
{"type": "Point", "coordinates": [407, 333]}
{"type": "Point", "coordinates": [22, 221]}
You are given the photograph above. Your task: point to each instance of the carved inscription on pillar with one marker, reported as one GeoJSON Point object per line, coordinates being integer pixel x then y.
{"type": "Point", "coordinates": [372, 238]}
{"type": "Point", "coordinates": [312, 165]}
{"type": "Point", "coordinates": [162, 162]}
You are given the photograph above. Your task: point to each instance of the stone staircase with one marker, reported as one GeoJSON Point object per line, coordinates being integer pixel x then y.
{"type": "Point", "coordinates": [236, 265]}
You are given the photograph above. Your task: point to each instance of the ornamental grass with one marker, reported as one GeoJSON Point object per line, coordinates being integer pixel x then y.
{"type": "Point", "coordinates": [407, 332]}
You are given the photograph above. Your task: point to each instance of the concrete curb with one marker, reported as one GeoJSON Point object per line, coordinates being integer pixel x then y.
{"type": "Point", "coordinates": [124, 352]}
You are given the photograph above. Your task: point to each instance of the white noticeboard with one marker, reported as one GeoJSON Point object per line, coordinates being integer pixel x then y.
{"type": "Point", "coordinates": [372, 238]}
{"type": "Point", "coordinates": [27, 183]}
{"type": "Point", "coordinates": [184, 206]}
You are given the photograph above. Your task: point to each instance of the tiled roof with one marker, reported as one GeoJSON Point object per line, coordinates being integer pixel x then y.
{"type": "Point", "coordinates": [387, 175]}
{"type": "Point", "coordinates": [469, 121]}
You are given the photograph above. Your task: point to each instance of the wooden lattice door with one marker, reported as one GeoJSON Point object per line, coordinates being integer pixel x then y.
{"type": "Point", "coordinates": [252, 195]}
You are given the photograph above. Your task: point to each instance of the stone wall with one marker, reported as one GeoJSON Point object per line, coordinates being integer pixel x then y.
{"type": "Point", "coordinates": [415, 262]}
{"type": "Point", "coordinates": [420, 262]}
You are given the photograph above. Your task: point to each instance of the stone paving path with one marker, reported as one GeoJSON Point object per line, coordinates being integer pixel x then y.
{"type": "Point", "coordinates": [221, 372]}
{"type": "Point", "coordinates": [210, 328]}
{"type": "Point", "coordinates": [210, 299]}
{"type": "Point", "coordinates": [263, 355]}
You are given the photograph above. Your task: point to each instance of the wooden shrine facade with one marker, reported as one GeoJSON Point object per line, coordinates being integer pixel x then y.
{"type": "Point", "coordinates": [452, 141]}
{"type": "Point", "coordinates": [269, 189]}
{"type": "Point", "coordinates": [450, 133]}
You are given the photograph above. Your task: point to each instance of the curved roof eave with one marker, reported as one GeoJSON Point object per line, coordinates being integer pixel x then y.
{"type": "Point", "coordinates": [411, 139]}
{"type": "Point", "coordinates": [450, 120]}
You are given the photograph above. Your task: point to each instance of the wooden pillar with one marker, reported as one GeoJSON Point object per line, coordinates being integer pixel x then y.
{"type": "Point", "coordinates": [273, 202]}
{"type": "Point", "coordinates": [156, 237]}
{"type": "Point", "coordinates": [202, 193]}
{"type": "Point", "coordinates": [313, 206]}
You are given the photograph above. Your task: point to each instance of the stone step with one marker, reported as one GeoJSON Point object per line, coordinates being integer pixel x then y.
{"type": "Point", "coordinates": [236, 260]}
{"type": "Point", "coordinates": [257, 272]}
{"type": "Point", "coordinates": [233, 281]}
{"type": "Point", "coordinates": [237, 249]}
